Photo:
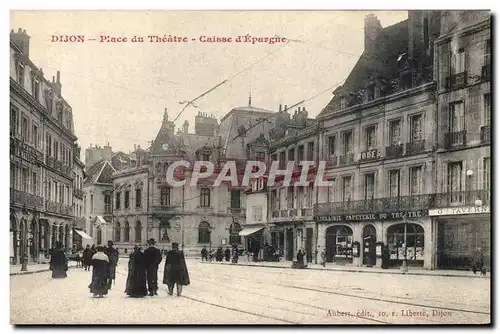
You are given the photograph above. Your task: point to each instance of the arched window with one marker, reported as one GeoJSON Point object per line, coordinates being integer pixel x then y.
{"type": "Point", "coordinates": [117, 231]}
{"type": "Point", "coordinates": [138, 231]}
{"type": "Point", "coordinates": [234, 234]}
{"type": "Point", "coordinates": [126, 232]}
{"type": "Point", "coordinates": [164, 226]}
{"type": "Point", "coordinates": [204, 231]}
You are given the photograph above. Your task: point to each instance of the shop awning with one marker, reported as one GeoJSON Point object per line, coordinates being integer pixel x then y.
{"type": "Point", "coordinates": [83, 234]}
{"type": "Point", "coordinates": [100, 221]}
{"type": "Point", "coordinates": [250, 230]}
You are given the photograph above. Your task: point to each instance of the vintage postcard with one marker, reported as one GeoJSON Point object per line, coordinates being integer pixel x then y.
{"type": "Point", "coordinates": [250, 167]}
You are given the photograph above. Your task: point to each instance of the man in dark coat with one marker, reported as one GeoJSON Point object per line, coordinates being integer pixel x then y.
{"type": "Point", "coordinates": [112, 254]}
{"type": "Point", "coordinates": [87, 257]}
{"type": "Point", "coordinates": [204, 254]}
{"type": "Point", "coordinates": [478, 261]}
{"type": "Point", "coordinates": [152, 259]}
{"type": "Point", "coordinates": [300, 257]}
{"type": "Point", "coordinates": [236, 254]}
{"type": "Point", "coordinates": [219, 256]}
{"type": "Point", "coordinates": [58, 262]}
{"type": "Point", "coordinates": [227, 254]}
{"type": "Point", "coordinates": [385, 257]}
{"type": "Point", "coordinates": [100, 273]}
{"type": "Point", "coordinates": [175, 272]}
{"type": "Point", "coordinates": [136, 280]}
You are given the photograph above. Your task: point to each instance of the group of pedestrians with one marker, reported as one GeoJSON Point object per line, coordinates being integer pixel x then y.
{"type": "Point", "coordinates": [219, 255]}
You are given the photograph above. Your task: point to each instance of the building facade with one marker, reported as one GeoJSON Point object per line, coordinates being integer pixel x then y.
{"type": "Point", "coordinates": [461, 212]}
{"type": "Point", "coordinates": [79, 225]}
{"type": "Point", "coordinates": [41, 164]}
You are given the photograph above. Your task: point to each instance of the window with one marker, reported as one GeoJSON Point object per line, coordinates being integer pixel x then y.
{"type": "Point", "coordinates": [68, 199]}
{"type": "Point", "coordinates": [54, 195]}
{"type": "Point", "coordinates": [416, 128]}
{"type": "Point", "coordinates": [20, 74]}
{"type": "Point", "coordinates": [343, 102]}
{"type": "Point", "coordinates": [332, 141]}
{"type": "Point", "coordinates": [118, 200]}
{"type": "Point", "coordinates": [455, 181]}
{"type": "Point", "coordinates": [371, 137]}
{"type": "Point", "coordinates": [14, 120]}
{"type": "Point", "coordinates": [49, 104]}
{"type": "Point", "coordinates": [205, 157]}
{"type": "Point", "coordinates": [138, 231]}
{"type": "Point", "coordinates": [49, 145]}
{"type": "Point", "coordinates": [13, 170]}
{"type": "Point", "coordinates": [331, 193]}
{"type": "Point", "coordinates": [56, 150]}
{"type": "Point", "coordinates": [235, 199]}
{"type": "Point", "coordinates": [204, 232]}
{"type": "Point", "coordinates": [107, 204]}
{"type": "Point", "coordinates": [346, 188]}
{"type": "Point", "coordinates": [36, 89]}
{"type": "Point", "coordinates": [91, 203]}
{"type": "Point", "coordinates": [126, 232]}
{"type": "Point", "coordinates": [310, 151]}
{"type": "Point", "coordinates": [458, 62]}
{"type": "Point", "coordinates": [290, 197]}
{"type": "Point", "coordinates": [164, 226]}
{"type": "Point", "coordinates": [61, 193]}
{"type": "Point", "coordinates": [274, 200]}
{"type": "Point", "coordinates": [347, 142]}
{"type": "Point", "coordinates": [457, 117]}
{"type": "Point", "coordinates": [257, 213]}
{"type": "Point", "coordinates": [300, 197]}
{"type": "Point", "coordinates": [234, 234]}
{"type": "Point", "coordinates": [282, 162]}
{"type": "Point", "coordinates": [394, 183]}
{"type": "Point", "coordinates": [310, 193]}
{"type": "Point", "coordinates": [127, 199]}
{"type": "Point", "coordinates": [395, 132]}
{"type": "Point", "coordinates": [407, 80]}
{"type": "Point", "coordinates": [369, 186]}
{"type": "Point", "coordinates": [291, 154]}
{"type": "Point", "coordinates": [117, 232]}
{"type": "Point", "coordinates": [260, 156]}
{"type": "Point", "coordinates": [300, 153]}
{"type": "Point", "coordinates": [138, 198]}
{"type": "Point", "coordinates": [34, 183]}
{"type": "Point", "coordinates": [165, 196]}
{"type": "Point", "coordinates": [205, 197]}
{"type": "Point", "coordinates": [487, 173]}
{"type": "Point", "coordinates": [487, 109]}
{"type": "Point", "coordinates": [24, 179]}
{"type": "Point", "coordinates": [416, 181]}
{"type": "Point", "coordinates": [35, 137]}
{"type": "Point", "coordinates": [487, 53]}
{"type": "Point", "coordinates": [24, 129]}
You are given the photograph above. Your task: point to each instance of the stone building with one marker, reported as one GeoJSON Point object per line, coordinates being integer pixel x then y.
{"type": "Point", "coordinates": [41, 157]}
{"type": "Point", "coordinates": [80, 238]}
{"type": "Point", "coordinates": [378, 139]}
{"type": "Point", "coordinates": [290, 212]}
{"type": "Point", "coordinates": [461, 211]}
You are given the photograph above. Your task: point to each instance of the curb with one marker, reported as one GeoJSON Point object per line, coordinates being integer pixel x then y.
{"type": "Point", "coordinates": [36, 271]}
{"type": "Point", "coordinates": [354, 270]}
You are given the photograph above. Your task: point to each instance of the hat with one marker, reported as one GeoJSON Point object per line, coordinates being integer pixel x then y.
{"type": "Point", "coordinates": [151, 241]}
{"type": "Point", "coordinates": [175, 245]}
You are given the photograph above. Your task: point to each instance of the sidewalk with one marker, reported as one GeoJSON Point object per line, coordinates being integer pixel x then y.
{"type": "Point", "coordinates": [338, 268]}
{"type": "Point", "coordinates": [34, 268]}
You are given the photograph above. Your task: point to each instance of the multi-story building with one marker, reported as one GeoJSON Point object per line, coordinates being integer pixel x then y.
{"type": "Point", "coordinates": [41, 164]}
{"type": "Point", "coordinates": [378, 138]}
{"type": "Point", "coordinates": [79, 224]}
{"type": "Point", "coordinates": [461, 211]}
{"type": "Point", "coordinates": [290, 213]}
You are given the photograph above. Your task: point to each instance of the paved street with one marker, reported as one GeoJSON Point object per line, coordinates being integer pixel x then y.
{"type": "Point", "coordinates": [256, 295]}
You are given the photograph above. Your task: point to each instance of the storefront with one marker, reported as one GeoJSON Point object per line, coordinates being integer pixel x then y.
{"type": "Point", "coordinates": [254, 239]}
{"type": "Point", "coordinates": [339, 242]}
{"type": "Point", "coordinates": [415, 237]}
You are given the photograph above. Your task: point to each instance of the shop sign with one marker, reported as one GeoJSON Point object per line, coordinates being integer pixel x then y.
{"type": "Point", "coordinates": [373, 216]}
{"type": "Point", "coordinates": [370, 154]}
{"type": "Point", "coordinates": [459, 210]}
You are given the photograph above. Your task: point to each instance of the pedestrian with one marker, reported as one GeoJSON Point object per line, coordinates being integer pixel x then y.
{"type": "Point", "coordinates": [385, 257]}
{"type": "Point", "coordinates": [136, 279]}
{"type": "Point", "coordinates": [219, 256]}
{"type": "Point", "coordinates": [175, 272]}
{"type": "Point", "coordinates": [235, 254]}
{"type": "Point", "coordinates": [100, 273]}
{"type": "Point", "coordinates": [204, 254]}
{"type": "Point", "coordinates": [58, 261]}
{"type": "Point", "coordinates": [93, 249]}
{"type": "Point", "coordinates": [478, 262]}
{"type": "Point", "coordinates": [152, 259]}
{"type": "Point", "coordinates": [300, 258]}
{"type": "Point", "coordinates": [227, 254]}
{"type": "Point", "coordinates": [113, 256]}
{"type": "Point", "coordinates": [323, 258]}
{"type": "Point", "coordinates": [87, 257]}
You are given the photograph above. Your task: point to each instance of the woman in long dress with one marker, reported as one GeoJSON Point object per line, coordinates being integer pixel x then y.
{"type": "Point", "coordinates": [58, 262]}
{"type": "Point", "coordinates": [175, 272]}
{"type": "Point", "coordinates": [100, 262]}
{"type": "Point", "coordinates": [136, 279]}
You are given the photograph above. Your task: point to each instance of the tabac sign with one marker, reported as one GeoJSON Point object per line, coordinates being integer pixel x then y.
{"type": "Point", "coordinates": [459, 210]}
{"type": "Point", "coordinates": [373, 216]}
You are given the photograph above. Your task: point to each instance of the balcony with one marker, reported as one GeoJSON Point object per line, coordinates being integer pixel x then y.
{"type": "Point", "coordinates": [485, 134]}
{"type": "Point", "coordinates": [331, 161]}
{"type": "Point", "coordinates": [369, 206]}
{"type": "Point", "coordinates": [454, 139]}
{"type": "Point", "coordinates": [236, 210]}
{"type": "Point", "coordinates": [22, 198]}
{"type": "Point", "coordinates": [167, 209]}
{"type": "Point", "coordinates": [292, 213]}
{"type": "Point", "coordinates": [346, 159]}
{"type": "Point", "coordinates": [58, 165]}
{"type": "Point", "coordinates": [58, 208]}
{"type": "Point", "coordinates": [78, 193]}
{"type": "Point", "coordinates": [456, 81]}
{"type": "Point", "coordinates": [23, 150]}
{"type": "Point", "coordinates": [462, 198]}
{"type": "Point", "coordinates": [306, 212]}
{"type": "Point", "coordinates": [394, 151]}
{"type": "Point", "coordinates": [486, 73]}
{"type": "Point", "coordinates": [283, 213]}
{"type": "Point", "coordinates": [415, 147]}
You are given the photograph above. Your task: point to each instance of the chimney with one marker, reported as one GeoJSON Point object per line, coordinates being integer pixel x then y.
{"type": "Point", "coordinates": [286, 107]}
{"type": "Point", "coordinates": [186, 127]}
{"type": "Point", "coordinates": [22, 40]}
{"type": "Point", "coordinates": [165, 116]}
{"type": "Point", "coordinates": [58, 85]}
{"type": "Point", "coordinates": [372, 30]}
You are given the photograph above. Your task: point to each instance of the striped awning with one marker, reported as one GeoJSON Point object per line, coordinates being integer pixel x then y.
{"type": "Point", "coordinates": [250, 230]}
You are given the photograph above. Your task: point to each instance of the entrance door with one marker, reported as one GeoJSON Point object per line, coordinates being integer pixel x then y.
{"type": "Point", "coordinates": [289, 244]}
{"type": "Point", "coordinates": [309, 244]}
{"type": "Point", "coordinates": [369, 245]}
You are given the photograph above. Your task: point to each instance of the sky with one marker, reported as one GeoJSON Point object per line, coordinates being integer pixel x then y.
{"type": "Point", "coordinates": [119, 91]}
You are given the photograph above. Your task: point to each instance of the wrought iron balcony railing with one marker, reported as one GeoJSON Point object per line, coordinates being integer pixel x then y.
{"type": "Point", "coordinates": [22, 198]}
{"type": "Point", "coordinates": [21, 149]}
{"type": "Point", "coordinates": [58, 208]}
{"type": "Point", "coordinates": [346, 159]}
{"type": "Point", "coordinates": [394, 151]}
{"type": "Point", "coordinates": [415, 147]}
{"type": "Point", "coordinates": [462, 198]}
{"type": "Point", "coordinates": [485, 134]}
{"type": "Point", "coordinates": [455, 81]}
{"type": "Point", "coordinates": [306, 212]}
{"type": "Point", "coordinates": [457, 138]}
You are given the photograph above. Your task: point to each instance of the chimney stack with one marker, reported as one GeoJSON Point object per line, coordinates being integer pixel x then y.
{"type": "Point", "coordinates": [58, 85]}
{"type": "Point", "coordinates": [372, 30]}
{"type": "Point", "coordinates": [280, 107]}
{"type": "Point", "coordinates": [22, 40]}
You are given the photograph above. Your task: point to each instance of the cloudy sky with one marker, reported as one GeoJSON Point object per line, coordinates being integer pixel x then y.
{"type": "Point", "coordinates": [118, 91]}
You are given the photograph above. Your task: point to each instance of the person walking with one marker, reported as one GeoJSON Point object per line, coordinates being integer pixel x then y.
{"type": "Point", "coordinates": [227, 254]}
{"type": "Point", "coordinates": [478, 262]}
{"type": "Point", "coordinates": [152, 259]}
{"type": "Point", "coordinates": [100, 273]}
{"type": "Point", "coordinates": [176, 272]}
{"type": "Point", "coordinates": [87, 257]}
{"type": "Point", "coordinates": [58, 261]}
{"type": "Point", "coordinates": [113, 256]}
{"type": "Point", "coordinates": [300, 258]}
{"type": "Point", "coordinates": [204, 254]}
{"type": "Point", "coordinates": [136, 279]}
{"type": "Point", "coordinates": [323, 258]}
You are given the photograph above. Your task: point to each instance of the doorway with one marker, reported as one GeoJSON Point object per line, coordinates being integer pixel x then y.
{"type": "Point", "coordinates": [309, 244]}
{"type": "Point", "coordinates": [369, 245]}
